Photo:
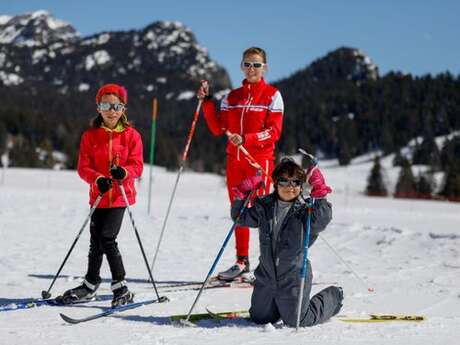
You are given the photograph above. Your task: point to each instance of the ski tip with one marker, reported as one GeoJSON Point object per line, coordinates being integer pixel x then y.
{"type": "Point", "coordinates": [68, 319]}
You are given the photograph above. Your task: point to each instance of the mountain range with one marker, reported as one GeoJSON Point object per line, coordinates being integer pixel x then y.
{"type": "Point", "coordinates": [49, 75]}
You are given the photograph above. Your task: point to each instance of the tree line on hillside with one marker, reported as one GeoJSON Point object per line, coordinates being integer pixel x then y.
{"type": "Point", "coordinates": [345, 119]}
{"type": "Point", "coordinates": [422, 186]}
{"type": "Point", "coordinates": [333, 118]}
{"type": "Point", "coordinates": [40, 122]}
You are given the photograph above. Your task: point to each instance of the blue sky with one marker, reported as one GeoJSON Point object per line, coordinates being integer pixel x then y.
{"type": "Point", "coordinates": [416, 37]}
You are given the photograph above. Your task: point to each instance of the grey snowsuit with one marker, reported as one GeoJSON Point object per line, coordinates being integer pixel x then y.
{"type": "Point", "coordinates": [277, 283]}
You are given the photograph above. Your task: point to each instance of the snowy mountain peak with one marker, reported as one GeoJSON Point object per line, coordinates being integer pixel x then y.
{"type": "Point", "coordinates": [35, 29]}
{"type": "Point", "coordinates": [37, 48]}
{"type": "Point", "coordinates": [166, 33]}
{"type": "Point", "coordinates": [364, 62]}
{"type": "Point", "coordinates": [4, 19]}
{"type": "Point", "coordinates": [345, 63]}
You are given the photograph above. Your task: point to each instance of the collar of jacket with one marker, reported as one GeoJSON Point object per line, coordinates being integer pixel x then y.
{"type": "Point", "coordinates": [118, 128]}
{"type": "Point", "coordinates": [253, 87]}
{"type": "Point", "coordinates": [298, 205]}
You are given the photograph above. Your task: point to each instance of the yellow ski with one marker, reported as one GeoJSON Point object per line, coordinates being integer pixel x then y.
{"type": "Point", "coordinates": [382, 318]}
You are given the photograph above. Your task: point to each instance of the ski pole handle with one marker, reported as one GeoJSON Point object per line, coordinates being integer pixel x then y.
{"type": "Point", "coordinates": [251, 159]}
{"type": "Point", "coordinates": [314, 160]}
{"type": "Point", "coordinates": [203, 91]}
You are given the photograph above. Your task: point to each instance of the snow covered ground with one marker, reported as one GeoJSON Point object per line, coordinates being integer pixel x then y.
{"type": "Point", "coordinates": [408, 251]}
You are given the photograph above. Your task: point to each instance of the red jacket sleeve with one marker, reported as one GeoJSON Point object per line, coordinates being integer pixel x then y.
{"type": "Point", "coordinates": [273, 124]}
{"type": "Point", "coordinates": [217, 123]}
{"type": "Point", "coordinates": [85, 167]}
{"type": "Point", "coordinates": [135, 162]}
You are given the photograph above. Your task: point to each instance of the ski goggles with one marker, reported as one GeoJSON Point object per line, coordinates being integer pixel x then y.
{"type": "Point", "coordinates": [106, 106]}
{"type": "Point", "coordinates": [285, 182]}
{"type": "Point", "coordinates": [256, 65]}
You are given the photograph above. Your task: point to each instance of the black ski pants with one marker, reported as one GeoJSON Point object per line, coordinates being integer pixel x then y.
{"type": "Point", "coordinates": [104, 228]}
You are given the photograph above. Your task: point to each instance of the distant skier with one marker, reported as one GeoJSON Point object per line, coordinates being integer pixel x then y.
{"type": "Point", "coordinates": [110, 152]}
{"type": "Point", "coordinates": [252, 116]}
{"type": "Point", "coordinates": [281, 217]}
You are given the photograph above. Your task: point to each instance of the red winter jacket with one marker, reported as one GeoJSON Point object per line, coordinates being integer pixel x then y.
{"type": "Point", "coordinates": [255, 111]}
{"type": "Point", "coordinates": [102, 147]}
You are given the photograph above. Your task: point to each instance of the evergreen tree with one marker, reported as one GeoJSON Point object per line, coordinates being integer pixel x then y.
{"type": "Point", "coordinates": [23, 153]}
{"type": "Point", "coordinates": [344, 153]}
{"type": "Point", "coordinates": [451, 189]}
{"type": "Point", "coordinates": [425, 184]}
{"type": "Point", "coordinates": [387, 140]}
{"type": "Point", "coordinates": [450, 153]}
{"type": "Point", "coordinates": [406, 187]}
{"type": "Point", "coordinates": [427, 153]}
{"type": "Point", "coordinates": [47, 160]}
{"type": "Point", "coordinates": [3, 138]}
{"type": "Point", "coordinates": [3, 142]}
{"type": "Point", "coordinates": [375, 184]}
{"type": "Point", "coordinates": [398, 159]}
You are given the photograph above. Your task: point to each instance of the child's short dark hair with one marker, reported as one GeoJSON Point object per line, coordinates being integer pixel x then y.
{"type": "Point", "coordinates": [289, 167]}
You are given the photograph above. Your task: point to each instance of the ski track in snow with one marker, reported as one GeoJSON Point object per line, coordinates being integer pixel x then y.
{"type": "Point", "coordinates": [408, 251]}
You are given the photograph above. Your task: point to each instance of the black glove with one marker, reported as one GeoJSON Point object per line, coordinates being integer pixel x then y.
{"type": "Point", "coordinates": [117, 172]}
{"type": "Point", "coordinates": [104, 184]}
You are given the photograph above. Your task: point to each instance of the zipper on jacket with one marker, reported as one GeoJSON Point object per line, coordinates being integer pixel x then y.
{"type": "Point", "coordinates": [291, 212]}
{"type": "Point", "coordinates": [247, 104]}
{"type": "Point", "coordinates": [275, 259]}
{"type": "Point", "coordinates": [110, 163]}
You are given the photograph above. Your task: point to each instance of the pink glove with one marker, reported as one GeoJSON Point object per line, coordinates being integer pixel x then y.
{"type": "Point", "coordinates": [319, 189]}
{"type": "Point", "coordinates": [246, 186]}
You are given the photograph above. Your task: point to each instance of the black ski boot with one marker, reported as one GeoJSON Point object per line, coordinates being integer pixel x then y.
{"type": "Point", "coordinates": [340, 299]}
{"type": "Point", "coordinates": [121, 294]}
{"type": "Point", "coordinates": [82, 293]}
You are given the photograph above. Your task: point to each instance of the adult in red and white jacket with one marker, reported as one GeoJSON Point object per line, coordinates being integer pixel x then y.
{"type": "Point", "coordinates": [252, 116]}
{"type": "Point", "coordinates": [110, 155]}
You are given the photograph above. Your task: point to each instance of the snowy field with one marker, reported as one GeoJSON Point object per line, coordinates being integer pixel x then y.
{"type": "Point", "coordinates": [408, 251]}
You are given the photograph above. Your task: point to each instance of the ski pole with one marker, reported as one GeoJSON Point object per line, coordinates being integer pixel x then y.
{"type": "Point", "coordinates": [216, 260]}
{"type": "Point", "coordinates": [361, 280]}
{"type": "Point", "coordinates": [152, 148]}
{"type": "Point", "coordinates": [303, 270]}
{"type": "Point", "coordinates": [251, 159]}
{"type": "Point", "coordinates": [184, 158]}
{"type": "Point", "coordinates": [122, 189]}
{"type": "Point", "coordinates": [314, 161]}
{"type": "Point", "coordinates": [46, 294]}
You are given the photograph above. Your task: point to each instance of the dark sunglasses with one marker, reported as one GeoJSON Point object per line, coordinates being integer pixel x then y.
{"type": "Point", "coordinates": [106, 106]}
{"type": "Point", "coordinates": [285, 182]}
{"type": "Point", "coordinates": [248, 64]}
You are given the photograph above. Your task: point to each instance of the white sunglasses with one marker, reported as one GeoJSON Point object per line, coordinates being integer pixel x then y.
{"type": "Point", "coordinates": [256, 65]}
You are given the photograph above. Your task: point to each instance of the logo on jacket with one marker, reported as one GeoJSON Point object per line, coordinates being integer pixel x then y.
{"type": "Point", "coordinates": [264, 135]}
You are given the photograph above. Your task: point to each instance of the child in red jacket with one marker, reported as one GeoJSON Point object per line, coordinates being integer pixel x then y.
{"type": "Point", "coordinates": [251, 116]}
{"type": "Point", "coordinates": [110, 150]}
